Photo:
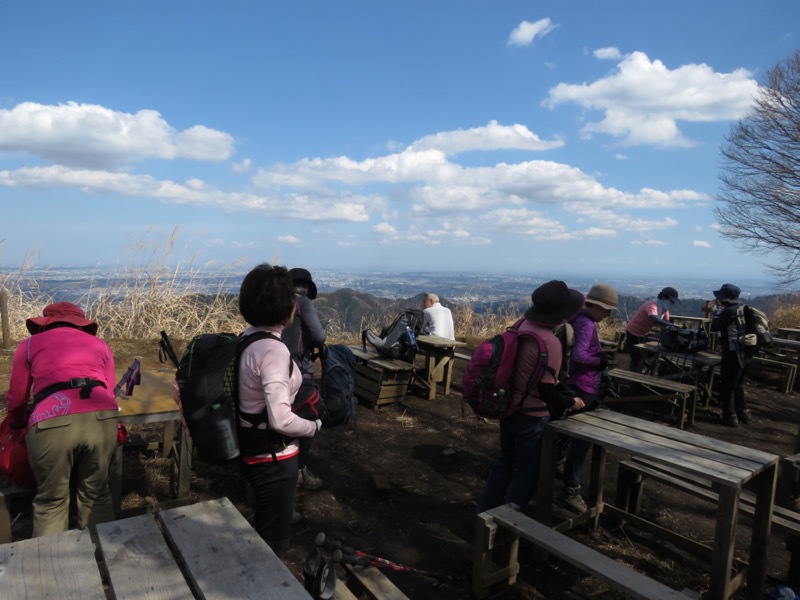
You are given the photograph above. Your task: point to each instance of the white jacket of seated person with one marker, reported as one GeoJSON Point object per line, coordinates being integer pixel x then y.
{"type": "Point", "coordinates": [441, 321]}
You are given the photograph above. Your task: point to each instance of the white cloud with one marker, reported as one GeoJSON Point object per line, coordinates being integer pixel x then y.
{"type": "Point", "coordinates": [384, 229]}
{"type": "Point", "coordinates": [526, 32]}
{"type": "Point", "coordinates": [700, 244]}
{"type": "Point", "coordinates": [491, 137]}
{"type": "Point", "coordinates": [88, 135]}
{"type": "Point", "coordinates": [242, 167]}
{"type": "Point", "coordinates": [288, 239]}
{"type": "Point", "coordinates": [291, 205]}
{"type": "Point", "coordinates": [643, 100]}
{"type": "Point", "coordinates": [609, 53]}
{"type": "Point", "coordinates": [648, 243]}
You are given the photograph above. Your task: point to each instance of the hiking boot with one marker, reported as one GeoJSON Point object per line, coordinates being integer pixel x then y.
{"type": "Point", "coordinates": [297, 516]}
{"type": "Point", "coordinates": [305, 479]}
{"type": "Point", "coordinates": [730, 421]}
{"type": "Point", "coordinates": [570, 498]}
{"type": "Point", "coordinates": [744, 416]}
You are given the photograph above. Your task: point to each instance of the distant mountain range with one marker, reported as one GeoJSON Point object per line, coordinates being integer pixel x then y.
{"type": "Point", "coordinates": [355, 310]}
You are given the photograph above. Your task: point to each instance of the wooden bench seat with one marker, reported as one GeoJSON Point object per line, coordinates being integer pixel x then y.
{"type": "Point", "coordinates": [371, 581]}
{"type": "Point", "coordinates": [380, 380]}
{"type": "Point", "coordinates": [518, 525]}
{"type": "Point", "coordinates": [630, 482]}
{"type": "Point", "coordinates": [787, 370]}
{"type": "Point", "coordinates": [682, 396]}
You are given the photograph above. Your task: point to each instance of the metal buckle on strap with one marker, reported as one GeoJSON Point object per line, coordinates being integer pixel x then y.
{"type": "Point", "coordinates": [78, 382]}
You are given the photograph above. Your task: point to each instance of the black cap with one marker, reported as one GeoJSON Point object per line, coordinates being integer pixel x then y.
{"type": "Point", "coordinates": [670, 293]}
{"type": "Point", "coordinates": [303, 276]}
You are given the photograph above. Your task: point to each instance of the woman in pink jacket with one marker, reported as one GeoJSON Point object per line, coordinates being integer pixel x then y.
{"type": "Point", "coordinates": [268, 383]}
{"type": "Point", "coordinates": [73, 418]}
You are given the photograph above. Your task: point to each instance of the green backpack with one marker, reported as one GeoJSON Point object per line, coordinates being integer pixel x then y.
{"type": "Point", "coordinates": [755, 325]}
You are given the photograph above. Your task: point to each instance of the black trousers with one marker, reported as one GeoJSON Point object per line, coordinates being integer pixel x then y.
{"type": "Point", "coordinates": [274, 486]}
{"type": "Point", "coordinates": [731, 383]}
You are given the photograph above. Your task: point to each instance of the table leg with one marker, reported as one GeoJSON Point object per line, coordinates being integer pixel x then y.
{"type": "Point", "coordinates": [724, 540]}
{"type": "Point", "coordinates": [115, 479]}
{"type": "Point", "coordinates": [596, 479]}
{"type": "Point", "coordinates": [448, 371]}
{"type": "Point", "coordinates": [544, 492]}
{"type": "Point", "coordinates": [168, 439]}
{"type": "Point", "coordinates": [765, 483]}
{"type": "Point", "coordinates": [184, 466]}
{"type": "Point", "coordinates": [430, 371]}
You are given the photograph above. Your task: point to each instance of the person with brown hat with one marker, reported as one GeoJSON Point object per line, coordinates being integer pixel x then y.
{"type": "Point", "coordinates": [736, 356]}
{"type": "Point", "coordinates": [653, 313]}
{"type": "Point", "coordinates": [515, 472]}
{"type": "Point", "coordinates": [305, 337]}
{"type": "Point", "coordinates": [73, 419]}
{"type": "Point", "coordinates": [588, 364]}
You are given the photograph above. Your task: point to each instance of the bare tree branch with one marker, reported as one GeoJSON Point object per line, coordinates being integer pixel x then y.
{"type": "Point", "coordinates": [761, 174]}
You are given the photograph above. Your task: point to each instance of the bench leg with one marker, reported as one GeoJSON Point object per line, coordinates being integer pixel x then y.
{"type": "Point", "coordinates": [793, 574]}
{"type": "Point", "coordinates": [5, 517]}
{"type": "Point", "coordinates": [490, 540]}
{"type": "Point", "coordinates": [629, 490]}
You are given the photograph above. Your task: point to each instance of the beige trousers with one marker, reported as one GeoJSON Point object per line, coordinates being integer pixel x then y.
{"type": "Point", "coordinates": [78, 447]}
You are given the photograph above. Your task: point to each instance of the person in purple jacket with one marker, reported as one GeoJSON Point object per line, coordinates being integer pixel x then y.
{"type": "Point", "coordinates": [587, 364]}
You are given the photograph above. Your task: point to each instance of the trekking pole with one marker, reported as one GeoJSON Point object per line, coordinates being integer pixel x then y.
{"type": "Point", "coordinates": [165, 347]}
{"type": "Point", "coordinates": [350, 555]}
{"type": "Point", "coordinates": [132, 377]}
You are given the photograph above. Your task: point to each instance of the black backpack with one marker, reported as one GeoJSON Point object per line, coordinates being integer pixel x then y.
{"type": "Point", "coordinates": [398, 339]}
{"type": "Point", "coordinates": [753, 322]}
{"type": "Point", "coordinates": [685, 341]}
{"type": "Point", "coordinates": [338, 385]}
{"type": "Point", "coordinates": [208, 392]}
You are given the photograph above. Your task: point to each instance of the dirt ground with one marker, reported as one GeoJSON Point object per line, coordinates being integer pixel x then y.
{"type": "Point", "coordinates": [401, 483]}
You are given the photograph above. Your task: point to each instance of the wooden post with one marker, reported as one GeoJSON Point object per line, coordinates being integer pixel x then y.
{"type": "Point", "coordinates": [4, 319]}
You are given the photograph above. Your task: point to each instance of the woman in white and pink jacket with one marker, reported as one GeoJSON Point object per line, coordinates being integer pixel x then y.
{"type": "Point", "coordinates": [268, 384]}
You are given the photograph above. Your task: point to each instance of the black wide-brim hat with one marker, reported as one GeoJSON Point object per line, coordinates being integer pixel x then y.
{"type": "Point", "coordinates": [554, 303]}
{"type": "Point", "coordinates": [303, 275]}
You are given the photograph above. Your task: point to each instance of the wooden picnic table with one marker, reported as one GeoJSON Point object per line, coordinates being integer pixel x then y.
{"type": "Point", "coordinates": [438, 354]}
{"type": "Point", "coordinates": [206, 550]}
{"type": "Point", "coordinates": [728, 465]}
{"type": "Point", "coordinates": [790, 332]}
{"type": "Point", "coordinates": [697, 368]}
{"type": "Point", "coordinates": [152, 402]}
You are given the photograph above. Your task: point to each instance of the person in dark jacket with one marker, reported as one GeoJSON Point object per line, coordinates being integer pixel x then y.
{"type": "Point", "coordinates": [305, 337]}
{"type": "Point", "coordinates": [515, 473]}
{"type": "Point", "coordinates": [735, 355]}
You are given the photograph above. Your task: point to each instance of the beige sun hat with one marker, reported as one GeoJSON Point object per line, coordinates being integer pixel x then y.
{"type": "Point", "coordinates": [603, 295]}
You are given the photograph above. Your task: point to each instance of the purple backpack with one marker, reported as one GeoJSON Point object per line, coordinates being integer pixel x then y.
{"type": "Point", "coordinates": [488, 378]}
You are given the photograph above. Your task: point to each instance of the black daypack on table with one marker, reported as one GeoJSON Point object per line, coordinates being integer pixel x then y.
{"type": "Point", "coordinates": [684, 341]}
{"type": "Point", "coordinates": [397, 340]}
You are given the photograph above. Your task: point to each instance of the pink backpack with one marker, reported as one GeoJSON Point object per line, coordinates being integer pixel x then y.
{"type": "Point", "coordinates": [488, 378]}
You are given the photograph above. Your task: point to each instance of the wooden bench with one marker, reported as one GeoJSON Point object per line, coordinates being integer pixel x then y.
{"type": "Point", "coordinates": [206, 550]}
{"type": "Point", "coordinates": [501, 528]}
{"type": "Point", "coordinates": [682, 396]}
{"type": "Point", "coordinates": [220, 554]}
{"type": "Point", "coordinates": [10, 493]}
{"type": "Point", "coordinates": [630, 482]}
{"type": "Point", "coordinates": [370, 581]}
{"type": "Point", "coordinates": [380, 380]}
{"type": "Point", "coordinates": [787, 370]}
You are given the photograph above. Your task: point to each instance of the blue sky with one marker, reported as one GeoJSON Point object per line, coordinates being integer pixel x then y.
{"type": "Point", "coordinates": [543, 137]}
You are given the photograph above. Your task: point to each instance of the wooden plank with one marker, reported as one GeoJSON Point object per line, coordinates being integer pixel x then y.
{"type": "Point", "coordinates": [375, 583]}
{"type": "Point", "coordinates": [707, 465]}
{"type": "Point", "coordinates": [631, 582]}
{"type": "Point", "coordinates": [139, 562]}
{"type": "Point", "coordinates": [57, 567]}
{"type": "Point", "coordinates": [342, 592]}
{"type": "Point", "coordinates": [752, 458]}
{"type": "Point", "coordinates": [223, 555]}
{"type": "Point", "coordinates": [652, 380]}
